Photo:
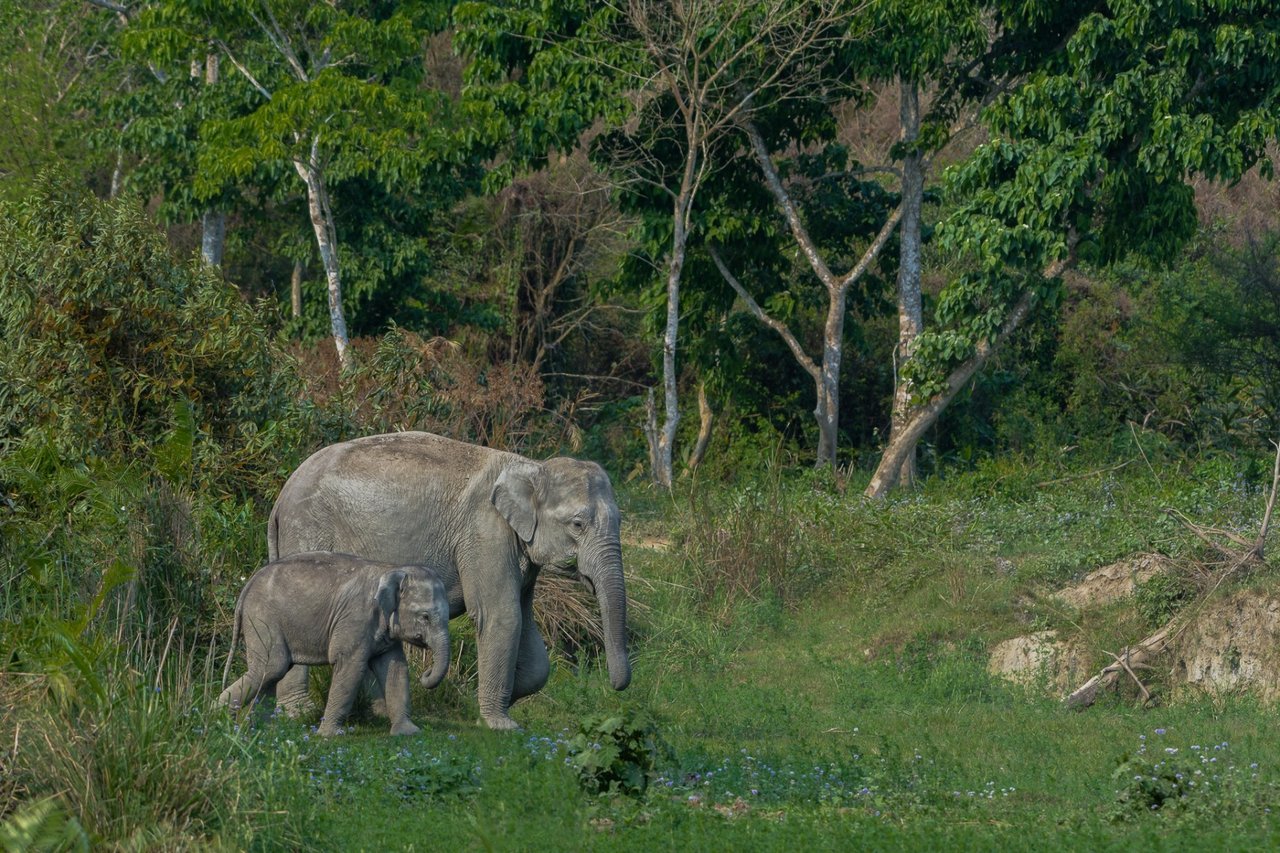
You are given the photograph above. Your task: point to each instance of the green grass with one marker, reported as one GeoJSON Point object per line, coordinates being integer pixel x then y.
{"type": "Point", "coordinates": [836, 700]}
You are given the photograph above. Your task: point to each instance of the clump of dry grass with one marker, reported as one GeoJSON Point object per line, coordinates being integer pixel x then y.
{"type": "Point", "coordinates": [568, 615]}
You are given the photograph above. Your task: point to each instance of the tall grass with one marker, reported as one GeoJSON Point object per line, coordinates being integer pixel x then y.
{"type": "Point", "coordinates": [135, 751]}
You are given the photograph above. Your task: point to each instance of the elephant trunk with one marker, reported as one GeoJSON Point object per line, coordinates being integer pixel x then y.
{"type": "Point", "coordinates": [604, 572]}
{"type": "Point", "coordinates": [439, 658]}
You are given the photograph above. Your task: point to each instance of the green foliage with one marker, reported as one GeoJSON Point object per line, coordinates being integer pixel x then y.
{"type": "Point", "coordinates": [743, 545]}
{"type": "Point", "coordinates": [1097, 144]}
{"type": "Point", "coordinates": [141, 424]}
{"type": "Point", "coordinates": [1159, 599]}
{"type": "Point", "coordinates": [112, 337]}
{"type": "Point", "coordinates": [42, 825]}
{"type": "Point", "coordinates": [1187, 781]}
{"type": "Point", "coordinates": [138, 760]}
{"type": "Point", "coordinates": [342, 91]}
{"type": "Point", "coordinates": [614, 754]}
{"type": "Point", "coordinates": [51, 57]}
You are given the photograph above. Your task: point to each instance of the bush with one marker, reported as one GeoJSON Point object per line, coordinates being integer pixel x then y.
{"type": "Point", "coordinates": [1187, 780]}
{"type": "Point", "coordinates": [142, 416]}
{"type": "Point", "coordinates": [124, 745]}
{"type": "Point", "coordinates": [404, 382]}
{"type": "Point", "coordinates": [614, 753]}
{"type": "Point", "coordinates": [114, 344]}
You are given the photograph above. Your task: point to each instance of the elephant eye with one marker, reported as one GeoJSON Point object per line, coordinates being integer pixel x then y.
{"type": "Point", "coordinates": [577, 525]}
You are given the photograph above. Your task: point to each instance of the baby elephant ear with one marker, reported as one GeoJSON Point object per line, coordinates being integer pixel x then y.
{"type": "Point", "coordinates": [514, 496]}
{"type": "Point", "coordinates": [388, 597]}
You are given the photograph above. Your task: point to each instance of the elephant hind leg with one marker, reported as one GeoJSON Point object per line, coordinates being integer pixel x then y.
{"type": "Point", "coordinates": [292, 692]}
{"type": "Point", "coordinates": [249, 688]}
{"type": "Point", "coordinates": [347, 675]}
{"type": "Point", "coordinates": [240, 690]}
{"type": "Point", "coordinates": [533, 666]}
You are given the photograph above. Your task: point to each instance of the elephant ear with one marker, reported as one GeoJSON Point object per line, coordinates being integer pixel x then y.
{"type": "Point", "coordinates": [514, 497]}
{"type": "Point", "coordinates": [388, 600]}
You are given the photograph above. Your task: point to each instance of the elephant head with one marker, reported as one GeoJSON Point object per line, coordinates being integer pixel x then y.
{"type": "Point", "coordinates": [564, 513]}
{"type": "Point", "coordinates": [415, 609]}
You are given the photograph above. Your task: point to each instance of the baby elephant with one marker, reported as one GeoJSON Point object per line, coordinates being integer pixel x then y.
{"type": "Point", "coordinates": [318, 608]}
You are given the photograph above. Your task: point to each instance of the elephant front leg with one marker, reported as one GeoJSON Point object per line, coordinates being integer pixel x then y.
{"type": "Point", "coordinates": [392, 672]}
{"type": "Point", "coordinates": [497, 648]}
{"type": "Point", "coordinates": [347, 674]}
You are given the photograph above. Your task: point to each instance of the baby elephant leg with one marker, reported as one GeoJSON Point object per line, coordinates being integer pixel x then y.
{"type": "Point", "coordinates": [292, 693]}
{"type": "Point", "coordinates": [342, 694]}
{"type": "Point", "coordinates": [242, 689]}
{"type": "Point", "coordinates": [392, 671]}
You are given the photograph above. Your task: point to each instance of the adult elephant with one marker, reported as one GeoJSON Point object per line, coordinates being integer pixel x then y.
{"type": "Point", "coordinates": [487, 520]}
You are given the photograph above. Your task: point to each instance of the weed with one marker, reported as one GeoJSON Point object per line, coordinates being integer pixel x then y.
{"type": "Point", "coordinates": [1161, 597]}
{"type": "Point", "coordinates": [614, 753]}
{"type": "Point", "coordinates": [1168, 777]}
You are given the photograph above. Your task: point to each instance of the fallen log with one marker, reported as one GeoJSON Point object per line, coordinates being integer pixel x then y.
{"type": "Point", "coordinates": [1129, 659]}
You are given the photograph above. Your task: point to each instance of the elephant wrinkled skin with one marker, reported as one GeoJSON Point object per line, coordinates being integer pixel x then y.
{"type": "Point", "coordinates": [487, 520]}
{"type": "Point", "coordinates": [317, 608]}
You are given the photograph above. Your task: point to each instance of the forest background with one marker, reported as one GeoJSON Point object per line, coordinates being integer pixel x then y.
{"type": "Point", "coordinates": [698, 242]}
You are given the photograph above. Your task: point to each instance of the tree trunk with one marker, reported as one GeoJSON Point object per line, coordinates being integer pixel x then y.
{"type": "Point", "coordinates": [910, 315]}
{"type": "Point", "coordinates": [295, 290]}
{"type": "Point", "coordinates": [706, 421]}
{"type": "Point", "coordinates": [213, 236]}
{"type": "Point", "coordinates": [662, 474]}
{"type": "Point", "coordinates": [827, 378]}
{"type": "Point", "coordinates": [327, 241]}
{"type": "Point", "coordinates": [926, 415]}
{"type": "Point", "coordinates": [651, 429]}
{"type": "Point", "coordinates": [213, 223]}
{"type": "Point", "coordinates": [827, 411]}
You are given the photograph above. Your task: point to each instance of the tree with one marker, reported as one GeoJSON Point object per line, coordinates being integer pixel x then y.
{"type": "Point", "coordinates": [1114, 109]}
{"type": "Point", "coordinates": [825, 371]}
{"type": "Point", "coordinates": [50, 53]}
{"type": "Point", "coordinates": [672, 80]}
{"type": "Point", "coordinates": [336, 97]}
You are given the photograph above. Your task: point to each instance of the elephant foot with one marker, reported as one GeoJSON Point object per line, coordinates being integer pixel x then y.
{"type": "Point", "coordinates": [326, 729]}
{"type": "Point", "coordinates": [500, 722]}
{"type": "Point", "coordinates": [404, 727]}
{"type": "Point", "coordinates": [296, 709]}
{"type": "Point", "coordinates": [378, 707]}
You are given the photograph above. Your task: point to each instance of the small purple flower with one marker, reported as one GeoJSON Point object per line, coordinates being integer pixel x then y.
{"type": "Point", "coordinates": [1159, 731]}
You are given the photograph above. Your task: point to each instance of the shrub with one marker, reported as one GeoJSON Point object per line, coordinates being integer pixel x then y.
{"type": "Point", "coordinates": [741, 544]}
{"type": "Point", "coordinates": [113, 343]}
{"type": "Point", "coordinates": [142, 416]}
{"type": "Point", "coordinates": [122, 742]}
{"type": "Point", "coordinates": [405, 382]}
{"type": "Point", "coordinates": [614, 753]}
{"type": "Point", "coordinates": [1187, 780]}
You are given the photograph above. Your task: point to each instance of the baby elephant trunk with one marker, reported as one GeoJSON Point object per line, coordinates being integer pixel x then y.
{"type": "Point", "coordinates": [439, 658]}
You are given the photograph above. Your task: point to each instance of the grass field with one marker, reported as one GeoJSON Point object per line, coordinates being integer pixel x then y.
{"type": "Point", "coordinates": [809, 673]}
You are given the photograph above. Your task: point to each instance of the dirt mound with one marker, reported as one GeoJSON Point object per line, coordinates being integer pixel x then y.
{"type": "Point", "coordinates": [1232, 646]}
{"type": "Point", "coordinates": [1113, 582]}
{"type": "Point", "coordinates": [1039, 660]}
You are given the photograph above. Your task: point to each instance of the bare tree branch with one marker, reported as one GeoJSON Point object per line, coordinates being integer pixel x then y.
{"type": "Point", "coordinates": [226, 50]}
{"type": "Point", "coordinates": [118, 8]}
{"type": "Point", "coordinates": [760, 314]}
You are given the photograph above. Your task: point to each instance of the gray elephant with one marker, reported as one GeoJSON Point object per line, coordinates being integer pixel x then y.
{"type": "Point", "coordinates": [321, 607]}
{"type": "Point", "coordinates": [487, 520]}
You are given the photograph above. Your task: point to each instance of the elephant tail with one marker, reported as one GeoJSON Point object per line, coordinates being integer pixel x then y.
{"type": "Point", "coordinates": [273, 533]}
{"type": "Point", "coordinates": [235, 633]}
